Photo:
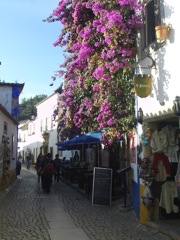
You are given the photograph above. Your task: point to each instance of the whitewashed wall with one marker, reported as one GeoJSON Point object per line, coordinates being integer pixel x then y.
{"type": "Point", "coordinates": [6, 97]}
{"type": "Point", "coordinates": [165, 78]}
{"type": "Point", "coordinates": [43, 122]}
{"type": "Point", "coordinates": [12, 135]}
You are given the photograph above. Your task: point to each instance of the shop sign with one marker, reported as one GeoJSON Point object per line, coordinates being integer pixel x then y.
{"type": "Point", "coordinates": [143, 85]}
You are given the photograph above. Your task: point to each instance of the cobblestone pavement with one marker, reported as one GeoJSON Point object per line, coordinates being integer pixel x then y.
{"type": "Point", "coordinates": [22, 216]}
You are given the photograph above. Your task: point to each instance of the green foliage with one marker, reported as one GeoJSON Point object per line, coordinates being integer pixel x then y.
{"type": "Point", "coordinates": [27, 106]}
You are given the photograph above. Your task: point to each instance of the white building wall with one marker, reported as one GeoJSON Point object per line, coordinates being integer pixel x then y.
{"type": "Point", "coordinates": [165, 78]}
{"type": "Point", "coordinates": [42, 123]}
{"type": "Point", "coordinates": [6, 97]}
{"type": "Point", "coordinates": [45, 111]}
{"type": "Point", "coordinates": [12, 142]}
{"type": "Point", "coordinates": [165, 73]}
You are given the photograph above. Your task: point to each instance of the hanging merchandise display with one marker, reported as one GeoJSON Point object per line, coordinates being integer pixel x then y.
{"type": "Point", "coordinates": [168, 194]}
{"type": "Point", "coordinates": [147, 175]}
{"type": "Point", "coordinates": [146, 136]}
{"type": "Point", "coordinates": [172, 147]}
{"type": "Point", "coordinates": [159, 141]}
{"type": "Point", "coordinates": [146, 170]}
{"type": "Point", "coordinates": [177, 179]}
{"type": "Point", "coordinates": [159, 171]}
{"type": "Point", "coordinates": [147, 199]}
{"type": "Point", "coordinates": [161, 166]}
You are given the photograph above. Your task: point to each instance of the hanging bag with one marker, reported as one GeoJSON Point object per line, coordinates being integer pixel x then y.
{"type": "Point", "coordinates": [147, 198]}
{"type": "Point", "coordinates": [146, 170]}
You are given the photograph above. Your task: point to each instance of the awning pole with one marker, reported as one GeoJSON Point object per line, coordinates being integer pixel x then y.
{"type": "Point", "coordinates": [98, 153]}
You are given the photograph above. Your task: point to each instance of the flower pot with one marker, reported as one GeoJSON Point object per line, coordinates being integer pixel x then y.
{"type": "Point", "coordinates": [161, 32]}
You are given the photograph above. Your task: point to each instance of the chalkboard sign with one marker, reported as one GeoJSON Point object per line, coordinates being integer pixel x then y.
{"type": "Point", "coordinates": [102, 186]}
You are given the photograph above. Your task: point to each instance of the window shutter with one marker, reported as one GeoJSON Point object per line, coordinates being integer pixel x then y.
{"type": "Point", "coordinates": [150, 23]}
{"type": "Point", "coordinates": [158, 6]}
{"type": "Point", "coordinates": [151, 16]}
{"type": "Point", "coordinates": [142, 53]}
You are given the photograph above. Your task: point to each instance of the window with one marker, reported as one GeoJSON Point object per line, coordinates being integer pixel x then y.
{"type": "Point", "coordinates": [52, 123]}
{"type": "Point", "coordinates": [152, 18]}
{"type": "Point", "coordinates": [5, 128]}
{"type": "Point", "coordinates": [46, 126]}
{"type": "Point", "coordinates": [51, 151]}
{"type": "Point", "coordinates": [12, 143]}
{"type": "Point", "coordinates": [24, 138]}
{"type": "Point", "coordinates": [41, 127]}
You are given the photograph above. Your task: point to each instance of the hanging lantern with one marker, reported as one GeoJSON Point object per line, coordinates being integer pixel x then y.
{"type": "Point", "coordinates": [140, 116]}
{"type": "Point", "coordinates": [176, 106]}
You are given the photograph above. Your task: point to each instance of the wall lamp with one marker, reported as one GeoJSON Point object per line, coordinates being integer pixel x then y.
{"type": "Point", "coordinates": [32, 118]}
{"type": "Point", "coordinates": [140, 116]}
{"type": "Point", "coordinates": [33, 115]}
{"type": "Point", "coordinates": [3, 139]}
{"type": "Point", "coordinates": [176, 108]}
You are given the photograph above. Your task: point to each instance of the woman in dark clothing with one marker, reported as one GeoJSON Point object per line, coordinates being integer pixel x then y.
{"type": "Point", "coordinates": [38, 165]}
{"type": "Point", "coordinates": [18, 168]}
{"type": "Point", "coordinates": [76, 159]}
{"type": "Point", "coordinates": [57, 167]}
{"type": "Point", "coordinates": [47, 170]}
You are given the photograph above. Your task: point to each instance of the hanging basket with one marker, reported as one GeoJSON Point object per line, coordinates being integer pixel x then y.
{"type": "Point", "coordinates": [161, 32]}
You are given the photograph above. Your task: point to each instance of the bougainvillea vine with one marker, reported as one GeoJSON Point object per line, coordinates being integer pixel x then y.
{"type": "Point", "coordinates": [99, 37]}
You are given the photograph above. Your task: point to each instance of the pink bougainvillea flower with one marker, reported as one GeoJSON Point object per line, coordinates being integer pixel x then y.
{"type": "Point", "coordinates": [98, 37]}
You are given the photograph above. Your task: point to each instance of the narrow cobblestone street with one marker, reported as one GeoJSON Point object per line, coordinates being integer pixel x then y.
{"type": "Point", "coordinates": [26, 215]}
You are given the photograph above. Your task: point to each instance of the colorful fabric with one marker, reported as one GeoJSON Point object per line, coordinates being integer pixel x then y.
{"type": "Point", "coordinates": [161, 156]}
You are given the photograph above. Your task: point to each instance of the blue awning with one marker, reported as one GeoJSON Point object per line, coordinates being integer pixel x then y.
{"type": "Point", "coordinates": [88, 138]}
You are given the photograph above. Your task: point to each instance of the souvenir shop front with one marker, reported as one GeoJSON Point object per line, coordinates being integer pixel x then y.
{"type": "Point", "coordinates": [160, 170]}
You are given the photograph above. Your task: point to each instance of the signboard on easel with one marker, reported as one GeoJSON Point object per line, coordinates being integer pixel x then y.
{"type": "Point", "coordinates": [102, 186]}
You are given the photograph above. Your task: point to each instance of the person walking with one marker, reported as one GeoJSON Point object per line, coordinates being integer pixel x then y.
{"type": "Point", "coordinates": [20, 158]}
{"type": "Point", "coordinates": [38, 165]}
{"type": "Point", "coordinates": [28, 160]}
{"type": "Point", "coordinates": [57, 167]}
{"type": "Point", "coordinates": [18, 168]}
{"type": "Point", "coordinates": [76, 159]}
{"type": "Point", "coordinates": [47, 170]}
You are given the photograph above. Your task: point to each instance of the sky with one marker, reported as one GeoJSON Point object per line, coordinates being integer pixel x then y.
{"type": "Point", "coordinates": [27, 54]}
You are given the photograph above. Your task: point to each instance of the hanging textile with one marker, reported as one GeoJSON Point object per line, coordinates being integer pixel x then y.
{"type": "Point", "coordinates": [161, 166]}
{"type": "Point", "coordinates": [168, 193]}
{"type": "Point", "coordinates": [172, 147]}
{"type": "Point", "coordinates": [159, 141]}
{"type": "Point", "coordinates": [177, 179]}
{"type": "Point", "coordinates": [147, 199]}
